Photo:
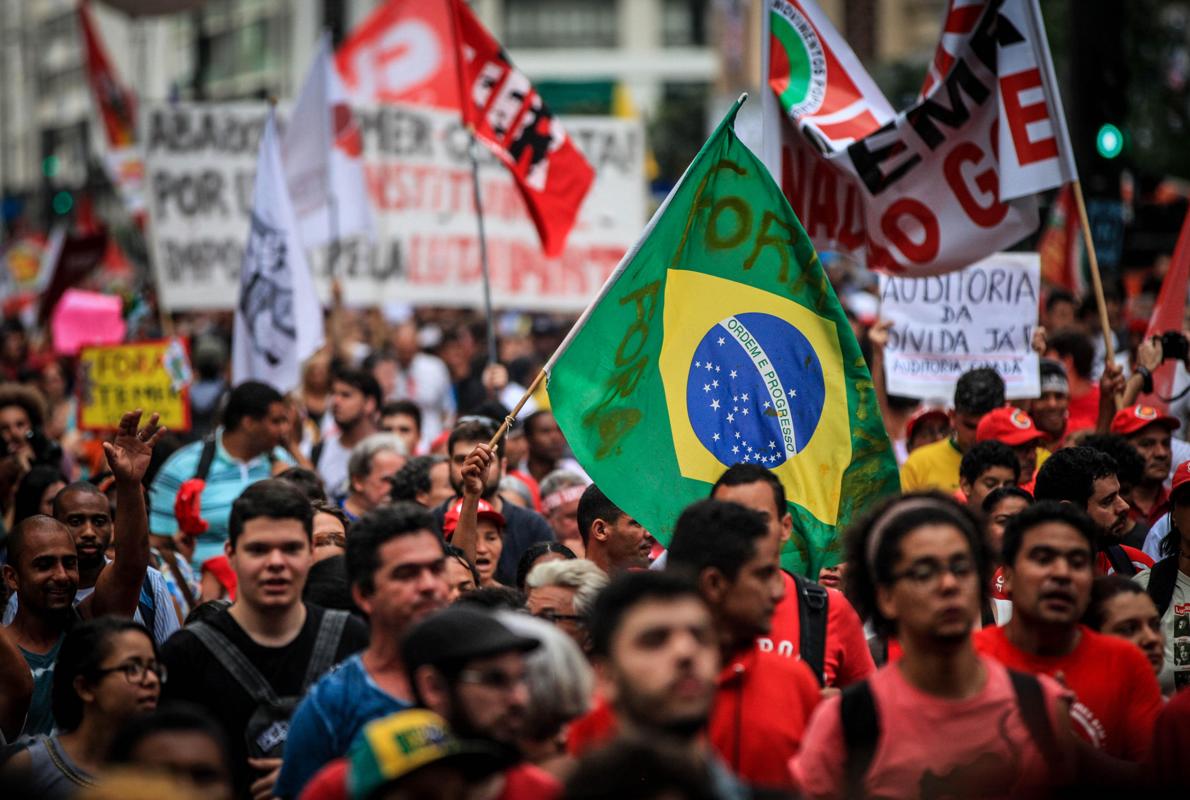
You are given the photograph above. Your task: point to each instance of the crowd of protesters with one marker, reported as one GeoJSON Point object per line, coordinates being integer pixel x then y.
{"type": "Point", "coordinates": [354, 591]}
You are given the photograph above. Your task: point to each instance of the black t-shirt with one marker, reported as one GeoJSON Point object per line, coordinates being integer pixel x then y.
{"type": "Point", "coordinates": [522, 527]}
{"type": "Point", "coordinates": [195, 676]}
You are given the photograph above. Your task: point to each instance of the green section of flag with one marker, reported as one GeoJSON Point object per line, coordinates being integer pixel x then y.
{"type": "Point", "coordinates": [796, 57]}
{"type": "Point", "coordinates": [724, 278]}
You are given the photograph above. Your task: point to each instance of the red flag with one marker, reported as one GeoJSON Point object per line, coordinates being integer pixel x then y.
{"type": "Point", "coordinates": [1169, 313]}
{"type": "Point", "coordinates": [116, 105]}
{"type": "Point", "coordinates": [509, 116]}
{"type": "Point", "coordinates": [1059, 246]}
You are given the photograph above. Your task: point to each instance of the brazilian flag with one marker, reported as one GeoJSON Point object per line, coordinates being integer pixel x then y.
{"type": "Point", "coordinates": [718, 340]}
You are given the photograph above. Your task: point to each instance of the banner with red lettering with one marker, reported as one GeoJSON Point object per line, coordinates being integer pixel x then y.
{"type": "Point", "coordinates": [945, 182]}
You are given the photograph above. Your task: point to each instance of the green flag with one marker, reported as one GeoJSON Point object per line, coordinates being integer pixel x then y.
{"type": "Point", "coordinates": [718, 340]}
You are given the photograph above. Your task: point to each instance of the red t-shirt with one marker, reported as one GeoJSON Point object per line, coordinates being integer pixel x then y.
{"type": "Point", "coordinates": [1118, 697]}
{"type": "Point", "coordinates": [1084, 412]}
{"type": "Point", "coordinates": [847, 658]}
{"type": "Point", "coordinates": [1171, 743]}
{"type": "Point", "coordinates": [932, 746]}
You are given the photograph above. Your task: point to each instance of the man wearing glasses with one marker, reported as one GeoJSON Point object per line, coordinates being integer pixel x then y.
{"type": "Point", "coordinates": [466, 666]}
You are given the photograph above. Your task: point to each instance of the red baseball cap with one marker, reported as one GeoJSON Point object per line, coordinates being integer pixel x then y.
{"type": "Point", "coordinates": [1128, 421]}
{"type": "Point", "coordinates": [1008, 425]}
{"type": "Point", "coordinates": [485, 511]}
{"type": "Point", "coordinates": [1181, 476]}
{"type": "Point", "coordinates": [923, 413]}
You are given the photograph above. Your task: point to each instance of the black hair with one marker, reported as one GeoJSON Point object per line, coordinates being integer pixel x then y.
{"type": "Point", "coordinates": [15, 541]}
{"type": "Point", "coordinates": [177, 716]}
{"type": "Point", "coordinates": [594, 505]}
{"type": "Point", "coordinates": [32, 486]}
{"type": "Point", "coordinates": [1070, 475]}
{"type": "Point", "coordinates": [997, 495]}
{"type": "Point", "coordinates": [1104, 588]}
{"type": "Point", "coordinates": [1130, 464]}
{"type": "Point", "coordinates": [361, 380]}
{"type": "Point", "coordinates": [251, 399]}
{"type": "Point", "coordinates": [1056, 296]}
{"type": "Point", "coordinates": [471, 429]}
{"type": "Point", "coordinates": [983, 456]}
{"type": "Point", "coordinates": [632, 766]}
{"type": "Point", "coordinates": [272, 498]}
{"type": "Point", "coordinates": [28, 398]}
{"type": "Point", "coordinates": [375, 529]}
{"type": "Point", "coordinates": [1077, 345]}
{"type": "Point", "coordinates": [493, 598]}
{"type": "Point", "coordinates": [309, 481]}
{"type": "Point", "coordinates": [714, 533]}
{"type": "Point", "coordinates": [892, 521]}
{"type": "Point", "coordinates": [406, 407]}
{"type": "Point", "coordinates": [1040, 513]}
{"type": "Point", "coordinates": [83, 648]}
{"type": "Point", "coordinates": [414, 478]}
{"type": "Point", "coordinates": [534, 552]}
{"type": "Point", "coordinates": [327, 585]}
{"type": "Point", "coordinates": [978, 391]}
{"type": "Point", "coordinates": [458, 555]}
{"type": "Point", "coordinates": [82, 487]}
{"type": "Point", "coordinates": [744, 474]}
{"type": "Point", "coordinates": [536, 415]}
{"type": "Point", "coordinates": [627, 591]}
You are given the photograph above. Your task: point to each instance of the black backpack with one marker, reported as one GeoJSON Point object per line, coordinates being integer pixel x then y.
{"type": "Point", "coordinates": [268, 728]}
{"type": "Point", "coordinates": [1162, 579]}
{"type": "Point", "coordinates": [812, 610]}
{"type": "Point", "coordinates": [861, 726]}
{"type": "Point", "coordinates": [1120, 561]}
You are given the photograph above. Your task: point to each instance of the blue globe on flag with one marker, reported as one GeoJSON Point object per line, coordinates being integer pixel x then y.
{"type": "Point", "coordinates": [755, 390]}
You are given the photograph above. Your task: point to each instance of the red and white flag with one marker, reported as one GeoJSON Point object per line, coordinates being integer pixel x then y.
{"type": "Point", "coordinates": [116, 106]}
{"type": "Point", "coordinates": [323, 154]}
{"type": "Point", "coordinates": [942, 184]}
{"type": "Point", "coordinates": [1169, 314]}
{"type": "Point", "coordinates": [1060, 246]}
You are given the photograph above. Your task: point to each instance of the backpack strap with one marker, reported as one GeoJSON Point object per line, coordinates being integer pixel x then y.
{"type": "Point", "coordinates": [812, 602]}
{"type": "Point", "coordinates": [861, 734]}
{"type": "Point", "coordinates": [146, 604]}
{"type": "Point", "coordinates": [330, 633]}
{"type": "Point", "coordinates": [1120, 561]}
{"type": "Point", "coordinates": [1030, 701]}
{"type": "Point", "coordinates": [235, 662]}
{"type": "Point", "coordinates": [316, 453]}
{"type": "Point", "coordinates": [1162, 579]}
{"type": "Point", "coordinates": [205, 458]}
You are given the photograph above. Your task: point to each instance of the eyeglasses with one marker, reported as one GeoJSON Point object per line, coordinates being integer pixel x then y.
{"type": "Point", "coordinates": [134, 671]}
{"type": "Point", "coordinates": [553, 617]}
{"type": "Point", "coordinates": [492, 679]}
{"type": "Point", "coordinates": [929, 571]}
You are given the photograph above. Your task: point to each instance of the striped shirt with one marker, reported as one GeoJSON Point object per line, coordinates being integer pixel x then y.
{"type": "Point", "coordinates": [228, 477]}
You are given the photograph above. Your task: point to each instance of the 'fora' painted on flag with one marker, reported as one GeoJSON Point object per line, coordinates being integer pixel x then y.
{"type": "Point", "coordinates": [717, 341]}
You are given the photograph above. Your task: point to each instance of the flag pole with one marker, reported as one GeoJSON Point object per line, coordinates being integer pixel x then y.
{"type": "Point", "coordinates": [1096, 279]}
{"type": "Point", "coordinates": [473, 154]}
{"type": "Point", "coordinates": [332, 206]}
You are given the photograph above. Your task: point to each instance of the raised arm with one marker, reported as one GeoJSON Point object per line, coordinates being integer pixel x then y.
{"type": "Point", "coordinates": [118, 587]}
{"type": "Point", "coordinates": [878, 337]}
{"type": "Point", "coordinates": [475, 477]}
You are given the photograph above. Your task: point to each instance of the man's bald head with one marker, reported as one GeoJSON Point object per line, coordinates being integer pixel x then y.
{"type": "Point", "coordinates": [77, 489]}
{"type": "Point", "coordinates": [31, 532]}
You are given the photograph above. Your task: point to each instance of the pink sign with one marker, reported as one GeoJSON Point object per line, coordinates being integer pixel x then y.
{"type": "Point", "coordinates": [82, 318]}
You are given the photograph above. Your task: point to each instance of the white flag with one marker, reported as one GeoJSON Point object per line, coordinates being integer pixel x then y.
{"type": "Point", "coordinates": [278, 321]}
{"type": "Point", "coordinates": [322, 151]}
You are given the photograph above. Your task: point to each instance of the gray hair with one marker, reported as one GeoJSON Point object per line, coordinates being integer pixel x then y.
{"type": "Point", "coordinates": [579, 574]}
{"type": "Point", "coordinates": [560, 479]}
{"type": "Point", "coordinates": [359, 464]}
{"type": "Point", "coordinates": [560, 679]}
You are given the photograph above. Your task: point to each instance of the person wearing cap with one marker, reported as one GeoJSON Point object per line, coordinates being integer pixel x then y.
{"type": "Point", "coordinates": [1051, 411]}
{"type": "Point", "coordinates": [936, 466]}
{"type": "Point", "coordinates": [1151, 433]}
{"type": "Point", "coordinates": [928, 424]}
{"type": "Point", "coordinates": [1015, 428]}
{"type": "Point", "coordinates": [1168, 583]}
{"type": "Point", "coordinates": [468, 667]}
{"type": "Point", "coordinates": [478, 531]}
{"type": "Point", "coordinates": [985, 468]}
{"type": "Point", "coordinates": [397, 569]}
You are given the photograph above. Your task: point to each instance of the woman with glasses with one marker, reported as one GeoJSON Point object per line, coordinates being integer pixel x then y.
{"type": "Point", "coordinates": [107, 672]}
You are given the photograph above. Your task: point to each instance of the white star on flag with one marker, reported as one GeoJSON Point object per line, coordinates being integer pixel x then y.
{"type": "Point", "coordinates": [721, 340]}
{"type": "Point", "coordinates": [745, 397]}
{"type": "Point", "coordinates": [714, 405]}
{"type": "Point", "coordinates": [731, 417]}
{"type": "Point", "coordinates": [772, 445]}
{"type": "Point", "coordinates": [745, 411]}
{"type": "Point", "coordinates": [732, 373]}
{"type": "Point", "coordinates": [706, 387]}
{"type": "Point", "coordinates": [715, 437]}
{"type": "Point", "coordinates": [793, 392]}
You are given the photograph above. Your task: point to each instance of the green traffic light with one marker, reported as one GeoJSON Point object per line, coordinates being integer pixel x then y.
{"type": "Point", "coordinates": [1109, 141]}
{"type": "Point", "coordinates": [63, 202]}
{"type": "Point", "coordinates": [49, 166]}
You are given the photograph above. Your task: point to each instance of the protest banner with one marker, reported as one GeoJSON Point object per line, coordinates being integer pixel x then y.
{"type": "Point", "coordinates": [981, 316]}
{"type": "Point", "coordinates": [201, 159]}
{"type": "Point", "coordinates": [153, 375]}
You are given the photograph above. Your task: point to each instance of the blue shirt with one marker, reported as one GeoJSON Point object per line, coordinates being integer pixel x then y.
{"type": "Point", "coordinates": [226, 479]}
{"type": "Point", "coordinates": [327, 721]}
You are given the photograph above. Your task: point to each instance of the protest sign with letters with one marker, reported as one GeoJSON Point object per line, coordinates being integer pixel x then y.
{"type": "Point", "coordinates": [153, 375]}
{"type": "Point", "coordinates": [201, 160]}
{"type": "Point", "coordinates": [981, 316]}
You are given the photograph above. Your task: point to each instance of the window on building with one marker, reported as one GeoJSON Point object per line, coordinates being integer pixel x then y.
{"type": "Point", "coordinates": [684, 23]}
{"type": "Point", "coordinates": [678, 128]}
{"type": "Point", "coordinates": [560, 23]}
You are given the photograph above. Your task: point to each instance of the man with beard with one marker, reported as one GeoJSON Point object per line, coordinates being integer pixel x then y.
{"type": "Point", "coordinates": [656, 655]}
{"type": "Point", "coordinates": [614, 541]}
{"type": "Point", "coordinates": [397, 569]}
{"type": "Point", "coordinates": [522, 527]}
{"type": "Point", "coordinates": [1087, 479]}
{"type": "Point", "coordinates": [466, 666]}
{"type": "Point", "coordinates": [1151, 433]}
{"type": "Point", "coordinates": [43, 570]}
{"type": "Point", "coordinates": [1048, 571]}
{"type": "Point", "coordinates": [355, 401]}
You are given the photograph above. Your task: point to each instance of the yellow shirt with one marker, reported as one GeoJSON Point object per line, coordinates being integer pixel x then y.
{"type": "Point", "coordinates": [932, 466]}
